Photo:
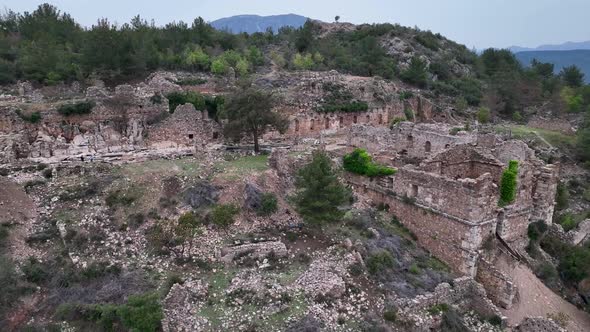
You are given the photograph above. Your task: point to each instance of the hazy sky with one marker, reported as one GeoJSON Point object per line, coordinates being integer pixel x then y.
{"type": "Point", "coordinates": [475, 23]}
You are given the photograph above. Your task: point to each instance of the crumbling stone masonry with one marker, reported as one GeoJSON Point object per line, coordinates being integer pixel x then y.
{"type": "Point", "coordinates": [450, 200]}
{"type": "Point", "coordinates": [186, 127]}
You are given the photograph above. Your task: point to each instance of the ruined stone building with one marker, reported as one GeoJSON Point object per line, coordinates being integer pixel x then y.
{"type": "Point", "coordinates": [450, 199]}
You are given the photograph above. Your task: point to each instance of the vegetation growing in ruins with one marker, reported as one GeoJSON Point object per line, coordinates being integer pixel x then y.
{"type": "Point", "coordinates": [320, 194]}
{"type": "Point", "coordinates": [340, 99]}
{"type": "Point", "coordinates": [223, 215]}
{"type": "Point", "coordinates": [360, 162]}
{"type": "Point", "coordinates": [33, 117]}
{"type": "Point", "coordinates": [508, 184]}
{"type": "Point", "coordinates": [140, 313]}
{"type": "Point", "coordinates": [268, 204]}
{"type": "Point", "coordinates": [79, 108]}
{"type": "Point", "coordinates": [249, 112]}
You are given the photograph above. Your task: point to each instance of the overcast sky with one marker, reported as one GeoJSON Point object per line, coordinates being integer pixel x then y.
{"type": "Point", "coordinates": [475, 23]}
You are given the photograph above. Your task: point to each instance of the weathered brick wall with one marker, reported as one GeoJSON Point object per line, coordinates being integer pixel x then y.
{"type": "Point", "coordinates": [499, 287]}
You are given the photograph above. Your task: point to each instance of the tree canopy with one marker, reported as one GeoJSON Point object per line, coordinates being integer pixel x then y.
{"type": "Point", "coordinates": [249, 112]}
{"type": "Point", "coordinates": [320, 193]}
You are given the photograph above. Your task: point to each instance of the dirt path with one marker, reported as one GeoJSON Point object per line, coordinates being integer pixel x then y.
{"type": "Point", "coordinates": [536, 300]}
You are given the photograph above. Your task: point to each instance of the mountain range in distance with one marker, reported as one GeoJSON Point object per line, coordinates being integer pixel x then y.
{"type": "Point", "coordinates": [255, 23]}
{"type": "Point", "coordinates": [567, 46]}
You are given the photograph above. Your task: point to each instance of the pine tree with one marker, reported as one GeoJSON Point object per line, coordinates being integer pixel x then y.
{"type": "Point", "coordinates": [320, 193]}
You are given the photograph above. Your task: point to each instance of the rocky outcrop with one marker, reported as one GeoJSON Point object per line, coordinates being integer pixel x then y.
{"type": "Point", "coordinates": [181, 307]}
{"type": "Point", "coordinates": [257, 251]}
{"type": "Point", "coordinates": [323, 278]}
{"type": "Point", "coordinates": [538, 324]}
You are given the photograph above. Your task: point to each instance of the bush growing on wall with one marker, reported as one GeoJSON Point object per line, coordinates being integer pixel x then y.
{"type": "Point", "coordinates": [84, 107]}
{"type": "Point", "coordinates": [508, 184]}
{"type": "Point", "coordinates": [360, 162]}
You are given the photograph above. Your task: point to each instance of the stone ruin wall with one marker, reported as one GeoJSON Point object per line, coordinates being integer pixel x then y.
{"type": "Point", "coordinates": [406, 138]}
{"type": "Point", "coordinates": [464, 293]}
{"type": "Point", "coordinates": [185, 127]}
{"type": "Point", "coordinates": [500, 288]}
{"type": "Point", "coordinates": [450, 238]}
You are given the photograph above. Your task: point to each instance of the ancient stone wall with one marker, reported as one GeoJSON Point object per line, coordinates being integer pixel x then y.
{"type": "Point", "coordinates": [451, 239]}
{"type": "Point", "coordinates": [552, 123]}
{"type": "Point", "coordinates": [406, 138]}
{"type": "Point", "coordinates": [187, 127]}
{"type": "Point", "coordinates": [499, 287]}
{"type": "Point", "coordinates": [465, 293]}
{"type": "Point", "coordinates": [538, 324]}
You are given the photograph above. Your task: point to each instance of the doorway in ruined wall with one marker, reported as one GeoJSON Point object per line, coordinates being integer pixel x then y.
{"type": "Point", "coordinates": [380, 118]}
{"type": "Point", "coordinates": [296, 125]}
{"type": "Point", "coordinates": [341, 122]}
{"type": "Point", "coordinates": [413, 190]}
{"type": "Point", "coordinates": [410, 140]}
{"type": "Point", "coordinates": [368, 118]}
{"type": "Point", "coordinates": [327, 123]}
{"type": "Point", "coordinates": [354, 119]}
{"type": "Point", "coordinates": [311, 124]}
{"type": "Point", "coordinates": [427, 146]}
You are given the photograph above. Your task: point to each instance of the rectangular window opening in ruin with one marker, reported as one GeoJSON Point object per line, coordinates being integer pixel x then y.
{"type": "Point", "coordinates": [413, 190]}
{"type": "Point", "coordinates": [191, 136]}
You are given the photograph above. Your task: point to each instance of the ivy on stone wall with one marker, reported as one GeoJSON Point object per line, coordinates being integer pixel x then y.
{"type": "Point", "coordinates": [508, 184]}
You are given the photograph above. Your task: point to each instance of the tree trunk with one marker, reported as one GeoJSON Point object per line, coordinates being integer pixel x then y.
{"type": "Point", "coordinates": [256, 147]}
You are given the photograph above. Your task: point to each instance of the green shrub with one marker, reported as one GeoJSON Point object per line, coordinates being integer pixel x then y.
{"type": "Point", "coordinates": [404, 95]}
{"type": "Point", "coordinates": [32, 117]}
{"type": "Point", "coordinates": [76, 109]}
{"type": "Point", "coordinates": [395, 121]}
{"type": "Point", "coordinates": [222, 215]}
{"type": "Point", "coordinates": [483, 115]}
{"type": "Point", "coordinates": [390, 315]}
{"type": "Point", "coordinates": [508, 184]}
{"type": "Point", "coordinates": [120, 197]}
{"type": "Point", "coordinates": [360, 162]}
{"type": "Point", "coordinates": [547, 273]}
{"type": "Point", "coordinates": [495, 320]}
{"type": "Point", "coordinates": [380, 261]}
{"type": "Point", "coordinates": [516, 116]}
{"type": "Point", "coordinates": [409, 113]}
{"type": "Point", "coordinates": [141, 313]}
{"type": "Point", "coordinates": [561, 197]}
{"type": "Point", "coordinates": [414, 269]}
{"type": "Point", "coordinates": [268, 204]}
{"type": "Point", "coordinates": [35, 271]}
{"type": "Point", "coordinates": [176, 99]}
{"type": "Point", "coordinates": [536, 229]}
{"type": "Point", "coordinates": [356, 269]}
{"type": "Point", "coordinates": [568, 222]}
{"type": "Point", "coordinates": [438, 308]}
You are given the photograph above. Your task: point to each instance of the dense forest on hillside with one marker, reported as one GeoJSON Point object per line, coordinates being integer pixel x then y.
{"type": "Point", "coordinates": [49, 47]}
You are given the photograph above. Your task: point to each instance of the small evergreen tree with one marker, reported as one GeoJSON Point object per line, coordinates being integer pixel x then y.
{"type": "Point", "coordinates": [320, 193]}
